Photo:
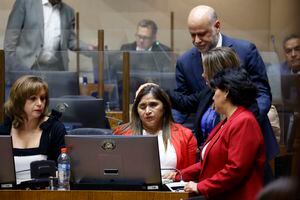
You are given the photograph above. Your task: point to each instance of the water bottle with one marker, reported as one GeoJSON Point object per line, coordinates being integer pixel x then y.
{"type": "Point", "coordinates": [64, 169]}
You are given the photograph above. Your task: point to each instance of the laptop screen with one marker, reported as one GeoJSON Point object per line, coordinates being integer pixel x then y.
{"type": "Point", "coordinates": [7, 166]}
{"type": "Point", "coordinates": [115, 161]}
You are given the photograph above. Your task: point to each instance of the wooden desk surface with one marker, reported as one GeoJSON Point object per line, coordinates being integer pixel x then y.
{"type": "Point", "coordinates": [89, 195]}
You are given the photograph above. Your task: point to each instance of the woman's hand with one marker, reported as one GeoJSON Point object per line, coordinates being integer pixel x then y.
{"type": "Point", "coordinates": [191, 187]}
{"type": "Point", "coordinates": [170, 175]}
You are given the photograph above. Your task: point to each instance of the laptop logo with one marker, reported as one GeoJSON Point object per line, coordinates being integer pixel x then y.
{"type": "Point", "coordinates": [108, 145]}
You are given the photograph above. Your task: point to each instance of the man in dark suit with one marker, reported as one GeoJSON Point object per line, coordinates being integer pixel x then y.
{"type": "Point", "coordinates": [145, 38]}
{"type": "Point", "coordinates": [147, 55]}
{"type": "Point", "coordinates": [290, 89]}
{"type": "Point", "coordinates": [39, 34]}
{"type": "Point", "coordinates": [204, 27]}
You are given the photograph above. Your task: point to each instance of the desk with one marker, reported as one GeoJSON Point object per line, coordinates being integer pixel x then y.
{"type": "Point", "coordinates": [89, 195]}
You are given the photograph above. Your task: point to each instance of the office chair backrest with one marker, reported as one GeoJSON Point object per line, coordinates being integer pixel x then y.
{"type": "Point", "coordinates": [60, 82]}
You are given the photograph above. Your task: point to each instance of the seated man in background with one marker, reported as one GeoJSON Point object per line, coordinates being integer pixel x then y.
{"type": "Point", "coordinates": [150, 60]}
{"type": "Point", "coordinates": [150, 54]}
{"type": "Point", "coordinates": [145, 38]}
{"type": "Point", "coordinates": [290, 80]}
{"type": "Point", "coordinates": [291, 47]}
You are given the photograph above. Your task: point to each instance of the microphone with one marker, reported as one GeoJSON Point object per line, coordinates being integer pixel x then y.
{"type": "Point", "coordinates": [163, 50]}
{"type": "Point", "coordinates": [174, 169]}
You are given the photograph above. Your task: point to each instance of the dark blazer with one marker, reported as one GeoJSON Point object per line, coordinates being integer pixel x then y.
{"type": "Point", "coordinates": [233, 163]}
{"type": "Point", "coordinates": [284, 69]}
{"type": "Point", "coordinates": [189, 80]}
{"type": "Point", "coordinates": [156, 46]}
{"type": "Point", "coordinates": [160, 57]}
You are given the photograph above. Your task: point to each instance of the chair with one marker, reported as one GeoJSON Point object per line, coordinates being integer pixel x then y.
{"type": "Point", "coordinates": [54, 79]}
{"type": "Point", "coordinates": [90, 131]}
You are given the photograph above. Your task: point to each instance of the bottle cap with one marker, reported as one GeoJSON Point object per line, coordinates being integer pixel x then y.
{"type": "Point", "coordinates": [63, 150]}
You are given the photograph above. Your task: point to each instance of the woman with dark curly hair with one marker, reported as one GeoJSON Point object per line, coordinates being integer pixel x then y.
{"type": "Point", "coordinates": [232, 160]}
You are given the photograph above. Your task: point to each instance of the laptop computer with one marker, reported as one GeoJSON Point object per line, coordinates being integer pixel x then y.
{"type": "Point", "coordinates": [7, 166]}
{"type": "Point", "coordinates": [114, 162]}
{"type": "Point", "coordinates": [80, 111]}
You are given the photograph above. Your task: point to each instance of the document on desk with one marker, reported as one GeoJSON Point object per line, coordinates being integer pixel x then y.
{"type": "Point", "coordinates": [176, 186]}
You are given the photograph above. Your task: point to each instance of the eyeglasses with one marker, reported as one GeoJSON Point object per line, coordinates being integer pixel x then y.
{"type": "Point", "coordinates": [142, 37]}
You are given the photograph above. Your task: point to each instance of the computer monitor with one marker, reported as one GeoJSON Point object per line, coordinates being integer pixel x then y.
{"type": "Point", "coordinates": [80, 111]}
{"type": "Point", "coordinates": [60, 82]}
{"type": "Point", "coordinates": [7, 166]}
{"type": "Point", "coordinates": [114, 162]}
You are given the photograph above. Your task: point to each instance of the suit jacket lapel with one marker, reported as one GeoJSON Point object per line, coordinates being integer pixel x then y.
{"type": "Point", "coordinates": [197, 68]}
{"type": "Point", "coordinates": [63, 20]}
{"type": "Point", "coordinates": [212, 139]}
{"type": "Point", "coordinates": [226, 42]}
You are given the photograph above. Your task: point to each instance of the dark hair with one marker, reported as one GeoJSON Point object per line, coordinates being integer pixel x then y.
{"type": "Point", "coordinates": [147, 23]}
{"type": "Point", "coordinates": [289, 37]}
{"type": "Point", "coordinates": [136, 124]}
{"type": "Point", "coordinates": [20, 91]}
{"type": "Point", "coordinates": [241, 90]}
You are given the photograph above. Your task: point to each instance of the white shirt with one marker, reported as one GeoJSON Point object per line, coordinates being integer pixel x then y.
{"type": "Point", "coordinates": [219, 44]}
{"type": "Point", "coordinates": [52, 32]}
{"type": "Point", "coordinates": [22, 166]}
{"type": "Point", "coordinates": [168, 158]}
{"type": "Point", "coordinates": [204, 150]}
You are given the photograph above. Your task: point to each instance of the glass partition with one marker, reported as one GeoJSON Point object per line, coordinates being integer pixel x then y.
{"type": "Point", "coordinates": [156, 67]}
{"type": "Point", "coordinates": [285, 100]}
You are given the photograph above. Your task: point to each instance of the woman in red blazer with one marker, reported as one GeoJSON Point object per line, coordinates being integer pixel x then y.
{"type": "Point", "coordinates": [232, 159]}
{"type": "Point", "coordinates": [151, 115]}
